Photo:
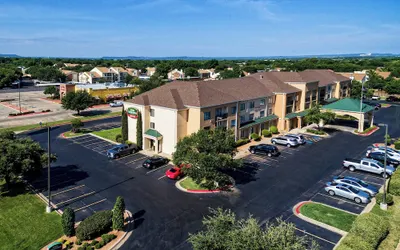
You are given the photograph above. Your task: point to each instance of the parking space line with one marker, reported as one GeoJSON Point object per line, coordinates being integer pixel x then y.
{"type": "Point", "coordinates": [286, 152]}
{"type": "Point", "coordinates": [140, 166]}
{"type": "Point", "coordinates": [70, 189]}
{"type": "Point", "coordinates": [339, 199]}
{"type": "Point", "coordinates": [162, 177]}
{"type": "Point", "coordinates": [315, 236]}
{"type": "Point", "coordinates": [153, 170]}
{"type": "Point", "coordinates": [84, 141]}
{"type": "Point", "coordinates": [91, 204]}
{"type": "Point", "coordinates": [106, 143]}
{"type": "Point", "coordinates": [75, 198]}
{"type": "Point", "coordinates": [101, 147]}
{"type": "Point", "coordinates": [141, 158]}
{"type": "Point", "coordinates": [126, 156]}
{"type": "Point", "coordinates": [366, 174]}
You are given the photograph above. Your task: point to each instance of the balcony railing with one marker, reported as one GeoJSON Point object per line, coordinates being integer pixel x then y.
{"type": "Point", "coordinates": [221, 116]}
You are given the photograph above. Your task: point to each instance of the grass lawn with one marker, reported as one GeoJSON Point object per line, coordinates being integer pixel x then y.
{"type": "Point", "coordinates": [25, 224]}
{"type": "Point", "coordinates": [328, 215]}
{"type": "Point", "coordinates": [393, 214]}
{"type": "Point", "coordinates": [37, 126]}
{"type": "Point", "coordinates": [109, 134]}
{"type": "Point", "coordinates": [188, 183]}
{"type": "Point", "coordinates": [71, 134]}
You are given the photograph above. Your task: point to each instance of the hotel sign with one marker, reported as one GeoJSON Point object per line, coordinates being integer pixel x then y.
{"type": "Point", "coordinates": [132, 113]}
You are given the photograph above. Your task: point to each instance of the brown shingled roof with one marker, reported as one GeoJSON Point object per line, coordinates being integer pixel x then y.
{"type": "Point", "coordinates": [324, 76]}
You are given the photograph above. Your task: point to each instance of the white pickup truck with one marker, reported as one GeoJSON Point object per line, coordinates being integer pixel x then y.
{"type": "Point", "coordinates": [368, 165]}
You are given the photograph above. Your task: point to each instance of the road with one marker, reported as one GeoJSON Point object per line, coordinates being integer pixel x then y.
{"type": "Point", "coordinates": [165, 216]}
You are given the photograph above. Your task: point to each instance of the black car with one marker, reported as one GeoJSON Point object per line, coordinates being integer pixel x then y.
{"type": "Point", "coordinates": [121, 150]}
{"type": "Point", "coordinates": [392, 99]}
{"type": "Point", "coordinates": [379, 156]}
{"type": "Point", "coordinates": [155, 162]}
{"type": "Point", "coordinates": [266, 149]}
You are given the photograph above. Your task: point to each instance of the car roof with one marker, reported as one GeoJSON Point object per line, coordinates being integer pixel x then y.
{"type": "Point", "coordinates": [350, 178]}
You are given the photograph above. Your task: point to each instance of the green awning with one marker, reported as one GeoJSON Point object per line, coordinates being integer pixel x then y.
{"type": "Point", "coordinates": [153, 133]}
{"type": "Point", "coordinates": [350, 105]}
{"type": "Point", "coordinates": [260, 120]}
{"type": "Point", "coordinates": [298, 114]}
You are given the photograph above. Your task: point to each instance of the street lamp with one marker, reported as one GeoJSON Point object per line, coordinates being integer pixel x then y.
{"type": "Point", "coordinates": [383, 205]}
{"type": "Point", "coordinates": [48, 207]}
{"type": "Point", "coordinates": [361, 105]}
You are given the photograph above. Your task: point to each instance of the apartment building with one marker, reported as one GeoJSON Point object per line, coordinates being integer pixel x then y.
{"type": "Point", "coordinates": [112, 74]}
{"type": "Point", "coordinates": [246, 105]}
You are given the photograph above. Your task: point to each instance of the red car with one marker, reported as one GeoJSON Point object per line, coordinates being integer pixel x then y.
{"type": "Point", "coordinates": [174, 173]}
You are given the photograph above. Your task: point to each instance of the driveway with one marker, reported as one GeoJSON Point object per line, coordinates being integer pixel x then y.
{"type": "Point", "coordinates": [164, 215]}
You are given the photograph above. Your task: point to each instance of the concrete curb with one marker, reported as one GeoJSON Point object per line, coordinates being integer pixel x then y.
{"type": "Point", "coordinates": [127, 234]}
{"type": "Point", "coordinates": [178, 186]}
{"type": "Point", "coordinates": [113, 142]}
{"type": "Point", "coordinates": [296, 211]}
{"type": "Point", "coordinates": [367, 134]}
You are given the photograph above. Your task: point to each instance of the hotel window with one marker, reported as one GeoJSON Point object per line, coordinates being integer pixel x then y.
{"type": "Point", "coordinates": [242, 106]}
{"type": "Point", "coordinates": [207, 116]}
{"type": "Point", "coordinates": [152, 112]}
{"type": "Point", "coordinates": [270, 112]}
{"type": "Point", "coordinates": [233, 110]}
{"type": "Point", "coordinates": [242, 118]}
{"type": "Point", "coordinates": [251, 117]}
{"type": "Point", "coordinates": [152, 125]}
{"type": "Point", "coordinates": [270, 100]}
{"type": "Point", "coordinates": [262, 102]}
{"type": "Point", "coordinates": [233, 123]}
{"type": "Point", "coordinates": [262, 113]}
{"type": "Point", "coordinates": [251, 105]}
{"type": "Point", "coordinates": [289, 109]}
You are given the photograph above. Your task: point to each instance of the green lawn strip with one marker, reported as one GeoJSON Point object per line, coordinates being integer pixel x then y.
{"type": "Point", "coordinates": [328, 215]}
{"type": "Point", "coordinates": [188, 183]}
{"type": "Point", "coordinates": [109, 134]}
{"type": "Point", "coordinates": [83, 118]}
{"type": "Point", "coordinates": [393, 215]}
{"type": "Point", "coordinates": [25, 224]}
{"type": "Point", "coordinates": [71, 134]}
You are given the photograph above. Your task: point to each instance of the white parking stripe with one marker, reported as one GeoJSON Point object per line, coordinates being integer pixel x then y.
{"type": "Point", "coordinates": [162, 177]}
{"type": "Point", "coordinates": [315, 236]}
{"type": "Point", "coordinates": [138, 159]}
{"type": "Point", "coordinates": [364, 174]}
{"type": "Point", "coordinates": [151, 171]}
{"type": "Point", "coordinates": [339, 199]}
{"type": "Point", "coordinates": [91, 204]}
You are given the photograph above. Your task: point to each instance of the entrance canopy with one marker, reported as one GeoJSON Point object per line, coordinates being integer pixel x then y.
{"type": "Point", "coordinates": [260, 120]}
{"type": "Point", "coordinates": [153, 134]}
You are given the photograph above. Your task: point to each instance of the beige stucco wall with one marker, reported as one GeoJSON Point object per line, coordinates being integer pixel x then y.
{"type": "Point", "coordinates": [280, 109]}
{"type": "Point", "coordinates": [194, 117]}
{"type": "Point", "coordinates": [165, 121]}
{"type": "Point", "coordinates": [182, 129]}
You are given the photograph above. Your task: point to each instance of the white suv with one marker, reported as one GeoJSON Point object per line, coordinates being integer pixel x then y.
{"type": "Point", "coordinates": [283, 140]}
{"type": "Point", "coordinates": [300, 139]}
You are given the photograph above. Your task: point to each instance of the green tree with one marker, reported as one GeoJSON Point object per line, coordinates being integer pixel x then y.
{"type": "Point", "coordinates": [210, 64]}
{"type": "Point", "coordinates": [76, 125]}
{"type": "Point", "coordinates": [393, 87]}
{"type": "Point", "coordinates": [315, 115]}
{"type": "Point", "coordinates": [139, 131]}
{"type": "Point", "coordinates": [128, 79]}
{"type": "Point", "coordinates": [68, 222]}
{"type": "Point", "coordinates": [375, 81]}
{"type": "Point", "coordinates": [124, 125]}
{"type": "Point", "coordinates": [208, 152]}
{"type": "Point", "coordinates": [118, 214]}
{"type": "Point", "coordinates": [20, 157]}
{"type": "Point", "coordinates": [190, 71]}
{"type": "Point", "coordinates": [224, 231]}
{"type": "Point", "coordinates": [77, 101]}
{"type": "Point", "coordinates": [162, 69]}
{"type": "Point", "coordinates": [50, 90]}
{"type": "Point", "coordinates": [356, 90]}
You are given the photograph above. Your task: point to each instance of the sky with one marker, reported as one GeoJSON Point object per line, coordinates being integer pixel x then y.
{"type": "Point", "coordinates": [209, 28]}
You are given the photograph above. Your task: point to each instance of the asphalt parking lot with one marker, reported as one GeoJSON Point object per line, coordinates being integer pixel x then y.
{"type": "Point", "coordinates": [93, 143]}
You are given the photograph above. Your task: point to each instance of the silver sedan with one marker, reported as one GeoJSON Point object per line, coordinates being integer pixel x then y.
{"type": "Point", "coordinates": [348, 192]}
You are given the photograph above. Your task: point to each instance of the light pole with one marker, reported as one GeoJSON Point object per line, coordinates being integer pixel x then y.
{"type": "Point", "coordinates": [383, 205]}
{"type": "Point", "coordinates": [361, 106]}
{"type": "Point", "coordinates": [19, 94]}
{"type": "Point", "coordinates": [48, 208]}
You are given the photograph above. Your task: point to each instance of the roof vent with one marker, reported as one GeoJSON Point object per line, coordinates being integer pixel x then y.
{"type": "Point", "coordinates": [261, 76]}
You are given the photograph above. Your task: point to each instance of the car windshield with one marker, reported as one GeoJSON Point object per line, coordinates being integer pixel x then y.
{"type": "Point", "coordinates": [172, 170]}
{"type": "Point", "coordinates": [291, 139]}
{"type": "Point", "coordinates": [362, 183]}
{"type": "Point", "coordinates": [115, 148]}
{"type": "Point", "coordinates": [354, 190]}
{"type": "Point", "coordinates": [379, 164]}
{"type": "Point", "coordinates": [147, 161]}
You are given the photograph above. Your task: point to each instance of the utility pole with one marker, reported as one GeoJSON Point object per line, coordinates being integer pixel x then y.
{"type": "Point", "coordinates": [48, 208]}
{"type": "Point", "coordinates": [383, 205]}
{"type": "Point", "coordinates": [19, 94]}
{"type": "Point", "coordinates": [361, 106]}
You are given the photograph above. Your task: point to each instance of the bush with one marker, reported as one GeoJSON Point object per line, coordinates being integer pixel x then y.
{"type": "Point", "coordinates": [274, 130]}
{"type": "Point", "coordinates": [118, 138]}
{"type": "Point", "coordinates": [81, 248]}
{"type": "Point", "coordinates": [353, 242]}
{"type": "Point", "coordinates": [255, 137]}
{"type": "Point", "coordinates": [94, 242]}
{"type": "Point", "coordinates": [108, 237]}
{"type": "Point", "coordinates": [94, 225]}
{"type": "Point", "coordinates": [76, 125]}
{"type": "Point", "coordinates": [394, 184]}
{"type": "Point", "coordinates": [78, 242]}
{"type": "Point", "coordinates": [316, 132]}
{"type": "Point", "coordinates": [266, 133]}
{"type": "Point", "coordinates": [118, 214]}
{"type": "Point", "coordinates": [98, 246]}
{"type": "Point", "coordinates": [22, 113]}
{"type": "Point", "coordinates": [129, 142]}
{"type": "Point", "coordinates": [379, 198]}
{"type": "Point", "coordinates": [242, 142]}
{"type": "Point", "coordinates": [68, 222]}
{"type": "Point", "coordinates": [397, 144]}
{"type": "Point", "coordinates": [372, 228]}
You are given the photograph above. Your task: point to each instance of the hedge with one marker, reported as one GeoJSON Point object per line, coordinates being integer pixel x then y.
{"type": "Point", "coordinates": [255, 137]}
{"type": "Point", "coordinates": [317, 132]}
{"type": "Point", "coordinates": [94, 225]}
{"type": "Point", "coordinates": [22, 113]}
{"type": "Point", "coordinates": [367, 232]}
{"type": "Point", "coordinates": [394, 184]}
{"type": "Point", "coordinates": [379, 198]}
{"type": "Point", "coordinates": [266, 133]}
{"type": "Point", "coordinates": [118, 138]}
{"type": "Point", "coordinates": [242, 142]}
{"type": "Point", "coordinates": [274, 130]}
{"type": "Point", "coordinates": [397, 144]}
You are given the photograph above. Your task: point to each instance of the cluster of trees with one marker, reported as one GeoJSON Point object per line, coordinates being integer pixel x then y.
{"type": "Point", "coordinates": [390, 85]}
{"type": "Point", "coordinates": [315, 116]}
{"type": "Point", "coordinates": [20, 157]}
{"type": "Point", "coordinates": [207, 154]}
{"type": "Point", "coordinates": [47, 73]}
{"type": "Point", "coordinates": [52, 91]}
{"type": "Point", "coordinates": [224, 231]}
{"type": "Point", "coordinates": [77, 101]}
{"type": "Point", "coordinates": [8, 76]}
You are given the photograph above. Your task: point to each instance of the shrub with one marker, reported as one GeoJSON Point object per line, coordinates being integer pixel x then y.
{"type": "Point", "coordinates": [108, 237]}
{"type": "Point", "coordinates": [76, 125]}
{"type": "Point", "coordinates": [242, 142]}
{"type": "Point", "coordinates": [388, 140]}
{"type": "Point", "coordinates": [354, 242]}
{"type": "Point", "coordinates": [266, 133]}
{"type": "Point", "coordinates": [98, 246]}
{"type": "Point", "coordinates": [255, 137]}
{"type": "Point", "coordinates": [68, 222]}
{"type": "Point", "coordinates": [81, 248]}
{"type": "Point", "coordinates": [317, 132]}
{"type": "Point", "coordinates": [94, 242]}
{"type": "Point", "coordinates": [118, 214]}
{"type": "Point", "coordinates": [379, 198]}
{"type": "Point", "coordinates": [372, 228]}
{"type": "Point", "coordinates": [394, 184]}
{"type": "Point", "coordinates": [129, 142]}
{"type": "Point", "coordinates": [274, 130]}
{"type": "Point", "coordinates": [78, 242]}
{"type": "Point", "coordinates": [397, 144]}
{"type": "Point", "coordinates": [118, 138]}
{"type": "Point", "coordinates": [94, 225]}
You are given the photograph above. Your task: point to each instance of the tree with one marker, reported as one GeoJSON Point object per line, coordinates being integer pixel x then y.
{"type": "Point", "coordinates": [315, 115]}
{"type": "Point", "coordinates": [68, 222]}
{"type": "Point", "coordinates": [190, 71]}
{"type": "Point", "coordinates": [375, 81]}
{"type": "Point", "coordinates": [139, 131]}
{"type": "Point", "coordinates": [162, 69]}
{"type": "Point", "coordinates": [50, 90]}
{"type": "Point", "coordinates": [209, 153]}
{"type": "Point", "coordinates": [393, 87]}
{"type": "Point", "coordinates": [118, 214]}
{"type": "Point", "coordinates": [77, 101]}
{"type": "Point", "coordinates": [210, 64]}
{"type": "Point", "coordinates": [124, 125]}
{"type": "Point", "coordinates": [356, 90]}
{"type": "Point", "coordinates": [128, 78]}
{"type": "Point", "coordinates": [20, 157]}
{"type": "Point", "coordinates": [76, 125]}
{"type": "Point", "coordinates": [224, 231]}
